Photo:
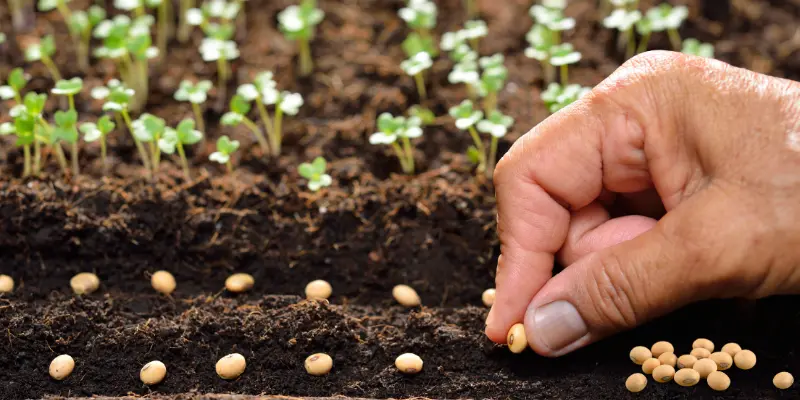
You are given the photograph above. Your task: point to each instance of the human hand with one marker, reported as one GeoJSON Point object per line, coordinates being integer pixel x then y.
{"type": "Point", "coordinates": [716, 146]}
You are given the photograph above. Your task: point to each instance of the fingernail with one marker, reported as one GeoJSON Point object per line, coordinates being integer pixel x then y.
{"type": "Point", "coordinates": [558, 324]}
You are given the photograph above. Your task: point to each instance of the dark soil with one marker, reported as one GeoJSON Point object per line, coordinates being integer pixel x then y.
{"type": "Point", "coordinates": [371, 230]}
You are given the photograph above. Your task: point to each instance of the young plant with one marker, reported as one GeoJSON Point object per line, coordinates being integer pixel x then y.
{"type": "Point", "coordinates": [696, 48]}
{"type": "Point", "coordinates": [473, 31]}
{"type": "Point", "coordinates": [97, 132]}
{"type": "Point", "coordinates": [81, 24]}
{"type": "Point", "coordinates": [225, 148]}
{"type": "Point", "coordinates": [221, 52]}
{"type": "Point", "coordinates": [298, 23]}
{"type": "Point", "coordinates": [624, 21]}
{"type": "Point", "coordinates": [23, 128]}
{"type": "Point", "coordinates": [315, 173]}
{"type": "Point", "coordinates": [238, 115]}
{"type": "Point", "coordinates": [415, 66]}
{"type": "Point", "coordinates": [17, 80]}
{"type": "Point", "coordinates": [164, 10]}
{"type": "Point", "coordinates": [184, 27]}
{"type": "Point", "coordinates": [66, 122]}
{"type": "Point", "coordinates": [665, 17]}
{"type": "Point", "coordinates": [197, 94]}
{"type": "Point", "coordinates": [175, 139]}
{"type": "Point", "coordinates": [44, 51]}
{"type": "Point", "coordinates": [420, 15]}
{"type": "Point", "coordinates": [562, 56]}
{"type": "Point", "coordinates": [151, 129]}
{"type": "Point", "coordinates": [390, 129]}
{"type": "Point", "coordinates": [493, 79]}
{"type": "Point", "coordinates": [43, 132]}
{"type": "Point", "coordinates": [467, 117]}
{"type": "Point", "coordinates": [557, 97]}
{"type": "Point", "coordinates": [497, 126]}
{"type": "Point", "coordinates": [288, 103]}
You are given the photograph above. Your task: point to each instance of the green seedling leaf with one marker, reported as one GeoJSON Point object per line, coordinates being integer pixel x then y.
{"type": "Point", "coordinates": [475, 29]}
{"type": "Point", "coordinates": [417, 63]}
{"type": "Point", "coordinates": [315, 173]}
{"type": "Point", "coordinates": [239, 105]}
{"type": "Point", "coordinates": [149, 128]}
{"type": "Point", "coordinates": [34, 103]}
{"type": "Point", "coordinates": [465, 72]}
{"type": "Point", "coordinates": [65, 126]}
{"type": "Point", "coordinates": [419, 14]}
{"type": "Point", "coordinates": [465, 115]}
{"type": "Point", "coordinates": [94, 131]}
{"type": "Point", "coordinates": [696, 48]}
{"type": "Point", "coordinates": [496, 125]}
{"type": "Point", "coordinates": [552, 18]}
{"type": "Point", "coordinates": [290, 103]}
{"type": "Point", "coordinates": [622, 19]}
{"type": "Point", "coordinates": [298, 22]}
{"type": "Point", "coordinates": [415, 44]}
{"type": "Point", "coordinates": [68, 87]}
{"type": "Point", "coordinates": [665, 16]}
{"type": "Point", "coordinates": [225, 147]}
{"type": "Point", "coordinates": [186, 133]}
{"type": "Point", "coordinates": [96, 14]}
{"type": "Point", "coordinates": [17, 79]}
{"type": "Point", "coordinates": [196, 93]}
{"type": "Point", "coordinates": [474, 155]}
{"type": "Point", "coordinates": [214, 49]}
{"type": "Point", "coordinates": [426, 116]}
{"type": "Point", "coordinates": [564, 54]}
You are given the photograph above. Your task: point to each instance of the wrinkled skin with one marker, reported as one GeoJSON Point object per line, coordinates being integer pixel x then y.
{"type": "Point", "coordinates": [704, 158]}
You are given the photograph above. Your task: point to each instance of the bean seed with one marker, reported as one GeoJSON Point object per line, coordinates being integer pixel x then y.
{"type": "Point", "coordinates": [163, 282]}
{"type": "Point", "coordinates": [704, 367]}
{"type": "Point", "coordinates": [408, 363]}
{"type": "Point", "coordinates": [406, 295]}
{"type": "Point", "coordinates": [745, 359]}
{"type": "Point", "coordinates": [640, 354]}
{"type": "Point", "coordinates": [231, 366]}
{"type": "Point", "coordinates": [319, 364]}
{"type": "Point", "coordinates": [663, 373]}
{"type": "Point", "coordinates": [703, 344]}
{"type": "Point", "coordinates": [662, 347]}
{"type": "Point", "coordinates": [700, 352]}
{"type": "Point", "coordinates": [488, 297]}
{"type": "Point", "coordinates": [649, 365]}
{"type": "Point", "coordinates": [718, 381]}
{"type": "Point", "coordinates": [153, 373]}
{"type": "Point", "coordinates": [238, 283]}
{"type": "Point", "coordinates": [84, 283]}
{"type": "Point", "coordinates": [636, 383]}
{"type": "Point", "coordinates": [723, 360]}
{"type": "Point", "coordinates": [668, 359]}
{"type": "Point", "coordinates": [7, 284]}
{"type": "Point", "coordinates": [731, 348]}
{"type": "Point", "coordinates": [685, 361]}
{"type": "Point", "coordinates": [687, 377]}
{"type": "Point", "coordinates": [516, 338]}
{"type": "Point", "coordinates": [61, 367]}
{"type": "Point", "coordinates": [783, 380]}
{"type": "Point", "coordinates": [318, 289]}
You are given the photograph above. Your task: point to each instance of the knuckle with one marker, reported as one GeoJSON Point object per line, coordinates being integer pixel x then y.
{"type": "Point", "coordinates": [612, 292]}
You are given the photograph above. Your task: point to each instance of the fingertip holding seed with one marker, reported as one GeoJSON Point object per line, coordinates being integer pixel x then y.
{"type": "Point", "coordinates": [668, 359]}
{"type": "Point", "coordinates": [516, 339]}
{"type": "Point", "coordinates": [685, 361]}
{"type": "Point", "coordinates": [663, 373]}
{"type": "Point", "coordinates": [705, 367]}
{"type": "Point", "coordinates": [723, 360]}
{"type": "Point", "coordinates": [703, 343]}
{"type": "Point", "coordinates": [318, 364]}
{"type": "Point", "coordinates": [687, 377]}
{"type": "Point", "coordinates": [84, 283]}
{"type": "Point", "coordinates": [153, 373]}
{"type": "Point", "coordinates": [488, 297]}
{"type": "Point", "coordinates": [6, 284]}
{"type": "Point", "coordinates": [718, 381]}
{"type": "Point", "coordinates": [408, 363]}
{"type": "Point", "coordinates": [406, 296]}
{"type": "Point", "coordinates": [231, 366]}
{"type": "Point", "coordinates": [783, 380]}
{"type": "Point", "coordinates": [745, 359]}
{"type": "Point", "coordinates": [649, 365]}
{"type": "Point", "coordinates": [661, 347]}
{"type": "Point", "coordinates": [239, 282]}
{"type": "Point", "coordinates": [319, 290]}
{"type": "Point", "coordinates": [731, 348]}
{"type": "Point", "coordinates": [163, 282]}
{"type": "Point", "coordinates": [640, 354]}
{"type": "Point", "coordinates": [61, 367]}
{"type": "Point", "coordinates": [700, 352]}
{"type": "Point", "coordinates": [636, 383]}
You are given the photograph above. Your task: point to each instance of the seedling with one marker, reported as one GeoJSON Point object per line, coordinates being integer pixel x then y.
{"type": "Point", "coordinates": [66, 122]}
{"type": "Point", "coordinates": [315, 173]}
{"type": "Point", "coordinates": [238, 115]}
{"type": "Point", "coordinates": [415, 66]}
{"type": "Point", "coordinates": [44, 51]}
{"type": "Point", "coordinates": [151, 129]}
{"type": "Point", "coordinates": [298, 23]}
{"type": "Point", "coordinates": [17, 80]}
{"type": "Point", "coordinates": [97, 132]}
{"type": "Point", "coordinates": [184, 27]}
{"type": "Point", "coordinates": [426, 116]}
{"type": "Point", "coordinates": [391, 129]}
{"type": "Point", "coordinates": [473, 31]}
{"type": "Point", "coordinates": [225, 147]}
{"type": "Point", "coordinates": [624, 21]}
{"type": "Point", "coordinates": [467, 117]}
{"type": "Point", "coordinates": [562, 56]}
{"type": "Point", "coordinates": [420, 15]}
{"type": "Point", "coordinates": [30, 127]}
{"type": "Point", "coordinates": [557, 97]}
{"type": "Point", "coordinates": [216, 18]}
{"type": "Point", "coordinates": [197, 94]}
{"type": "Point", "coordinates": [263, 91]}
{"type": "Point", "coordinates": [23, 128]}
{"type": "Point", "coordinates": [551, 15]}
{"type": "Point", "coordinates": [493, 79]}
{"type": "Point", "coordinates": [669, 18]}
{"type": "Point", "coordinates": [289, 104]}
{"type": "Point", "coordinates": [176, 139]}
{"type": "Point", "coordinates": [81, 24]}
{"type": "Point", "coordinates": [497, 126]}
{"type": "Point", "coordinates": [696, 48]}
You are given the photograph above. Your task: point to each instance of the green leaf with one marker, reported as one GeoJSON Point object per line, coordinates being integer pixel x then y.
{"type": "Point", "coordinates": [319, 165]}
{"type": "Point", "coordinates": [186, 133]}
{"type": "Point", "coordinates": [48, 45]}
{"type": "Point", "coordinates": [68, 87]}
{"type": "Point", "coordinates": [239, 105]}
{"type": "Point", "coordinates": [96, 14]}
{"type": "Point", "coordinates": [425, 115]}
{"type": "Point", "coordinates": [415, 43]}
{"type": "Point", "coordinates": [17, 79]}
{"type": "Point", "coordinates": [66, 119]}
{"type": "Point", "coordinates": [105, 124]}
{"type": "Point", "coordinates": [306, 170]}
{"type": "Point", "coordinates": [34, 102]}
{"type": "Point", "coordinates": [226, 145]}
{"type": "Point", "coordinates": [474, 155]}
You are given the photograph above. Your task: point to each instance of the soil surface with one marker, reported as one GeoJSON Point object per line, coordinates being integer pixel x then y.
{"type": "Point", "coordinates": [371, 230]}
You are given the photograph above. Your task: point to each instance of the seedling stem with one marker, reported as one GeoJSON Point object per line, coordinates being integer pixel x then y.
{"type": "Point", "coordinates": [198, 116]}
{"type": "Point", "coordinates": [276, 134]}
{"type": "Point", "coordinates": [184, 29]}
{"type": "Point", "coordinates": [184, 163]}
{"type": "Point", "coordinates": [306, 64]}
{"type": "Point", "coordinates": [26, 171]}
{"type": "Point", "coordinates": [139, 147]}
{"type": "Point", "coordinates": [420, 81]}
{"type": "Point", "coordinates": [564, 75]}
{"type": "Point", "coordinates": [479, 146]}
{"type": "Point", "coordinates": [675, 39]}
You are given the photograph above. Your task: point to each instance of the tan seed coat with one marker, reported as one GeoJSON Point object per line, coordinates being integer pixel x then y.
{"type": "Point", "coordinates": [84, 283]}
{"type": "Point", "coordinates": [662, 347]}
{"type": "Point", "coordinates": [231, 366]}
{"type": "Point", "coordinates": [61, 367]}
{"type": "Point", "coordinates": [238, 283]}
{"type": "Point", "coordinates": [663, 373]}
{"type": "Point", "coordinates": [705, 367]}
{"type": "Point", "coordinates": [687, 377]}
{"type": "Point", "coordinates": [488, 297]}
{"type": "Point", "coordinates": [640, 354]}
{"type": "Point", "coordinates": [685, 361]}
{"type": "Point", "coordinates": [700, 352]}
{"type": "Point", "coordinates": [718, 381]}
{"type": "Point", "coordinates": [649, 365]}
{"type": "Point", "coordinates": [6, 284]}
{"type": "Point", "coordinates": [406, 296]}
{"type": "Point", "coordinates": [745, 359]}
{"type": "Point", "coordinates": [408, 363]}
{"type": "Point", "coordinates": [723, 360]}
{"type": "Point", "coordinates": [318, 289]}
{"type": "Point", "coordinates": [153, 373]}
{"type": "Point", "coordinates": [668, 359]}
{"type": "Point", "coordinates": [636, 383]}
{"type": "Point", "coordinates": [163, 282]}
{"type": "Point", "coordinates": [783, 380]}
{"type": "Point", "coordinates": [732, 348]}
{"type": "Point", "coordinates": [703, 343]}
{"type": "Point", "coordinates": [318, 364]}
{"type": "Point", "coordinates": [516, 339]}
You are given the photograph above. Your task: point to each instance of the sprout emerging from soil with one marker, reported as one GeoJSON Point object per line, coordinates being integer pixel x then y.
{"type": "Point", "coordinates": [23, 128]}
{"type": "Point", "coordinates": [315, 173]}
{"type": "Point", "coordinates": [17, 80]}
{"type": "Point", "coordinates": [216, 19]}
{"type": "Point", "coordinates": [493, 79]}
{"type": "Point", "coordinates": [696, 48]}
{"type": "Point", "coordinates": [150, 129]}
{"type": "Point", "coordinates": [466, 117]}
{"type": "Point", "coordinates": [66, 122]}
{"type": "Point", "coordinates": [557, 97]}
{"type": "Point", "coordinates": [624, 21]}
{"type": "Point", "coordinates": [497, 126]}
{"type": "Point", "coordinates": [392, 129]}
{"type": "Point", "coordinates": [44, 51]}
{"type": "Point", "coordinates": [97, 132]}
{"type": "Point", "coordinates": [164, 10]}
{"type": "Point", "coordinates": [31, 128]}
{"type": "Point", "coordinates": [225, 148]}
{"type": "Point", "coordinates": [420, 15]}
{"type": "Point", "coordinates": [415, 66]}
{"type": "Point", "coordinates": [562, 56]}
{"type": "Point", "coordinates": [298, 23]}
{"type": "Point", "coordinates": [176, 139]}
{"type": "Point", "coordinates": [669, 18]}
{"type": "Point", "coordinates": [197, 94]}
{"type": "Point", "coordinates": [239, 107]}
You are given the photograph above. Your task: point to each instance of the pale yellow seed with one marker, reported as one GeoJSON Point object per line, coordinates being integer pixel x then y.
{"type": "Point", "coordinates": [783, 380]}
{"type": "Point", "coordinates": [408, 363]}
{"type": "Point", "coordinates": [668, 359]}
{"type": "Point", "coordinates": [636, 383]}
{"type": "Point", "coordinates": [406, 295]}
{"type": "Point", "coordinates": [745, 359]}
{"type": "Point", "coordinates": [703, 343]}
{"type": "Point", "coordinates": [640, 354]}
{"type": "Point", "coordinates": [231, 366]}
{"type": "Point", "coordinates": [319, 364]}
{"type": "Point", "coordinates": [663, 373]}
{"type": "Point", "coordinates": [685, 361]}
{"type": "Point", "coordinates": [516, 339]}
{"type": "Point", "coordinates": [318, 289]}
{"type": "Point", "coordinates": [163, 282]}
{"type": "Point", "coordinates": [662, 347]}
{"type": "Point", "coordinates": [700, 352]}
{"type": "Point", "coordinates": [723, 360]}
{"type": "Point", "coordinates": [61, 367]}
{"type": "Point", "coordinates": [649, 365]}
{"type": "Point", "coordinates": [238, 283]}
{"type": "Point", "coordinates": [153, 373]}
{"type": "Point", "coordinates": [718, 381]}
{"type": "Point", "coordinates": [704, 367]}
{"type": "Point", "coordinates": [731, 348]}
{"type": "Point", "coordinates": [488, 297]}
{"type": "Point", "coordinates": [84, 283]}
{"type": "Point", "coordinates": [687, 377]}
{"type": "Point", "coordinates": [6, 284]}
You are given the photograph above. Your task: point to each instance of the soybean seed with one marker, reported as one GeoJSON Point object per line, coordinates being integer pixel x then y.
{"type": "Point", "coordinates": [61, 367]}
{"type": "Point", "coordinates": [663, 373]}
{"type": "Point", "coordinates": [406, 295]}
{"type": "Point", "coordinates": [516, 339]}
{"type": "Point", "coordinates": [687, 377]}
{"type": "Point", "coordinates": [649, 365]}
{"type": "Point", "coordinates": [662, 347]}
{"type": "Point", "coordinates": [718, 381]}
{"type": "Point", "coordinates": [238, 283]}
{"type": "Point", "coordinates": [318, 289]}
{"type": "Point", "coordinates": [488, 297]}
{"type": "Point", "coordinates": [640, 354]}
{"type": "Point", "coordinates": [685, 361]}
{"type": "Point", "coordinates": [408, 363]}
{"type": "Point", "coordinates": [700, 352]}
{"type": "Point", "coordinates": [163, 281]}
{"type": "Point", "coordinates": [636, 383]}
{"type": "Point", "coordinates": [84, 283]}
{"type": "Point", "coordinates": [705, 367]}
{"type": "Point", "coordinates": [318, 364]}
{"type": "Point", "coordinates": [668, 359]}
{"type": "Point", "coordinates": [6, 284]}
{"type": "Point", "coordinates": [153, 373]}
{"type": "Point", "coordinates": [231, 366]}
{"type": "Point", "coordinates": [703, 343]}
{"type": "Point", "coordinates": [723, 360]}
{"type": "Point", "coordinates": [783, 380]}
{"type": "Point", "coordinates": [731, 348]}
{"type": "Point", "coordinates": [745, 359]}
